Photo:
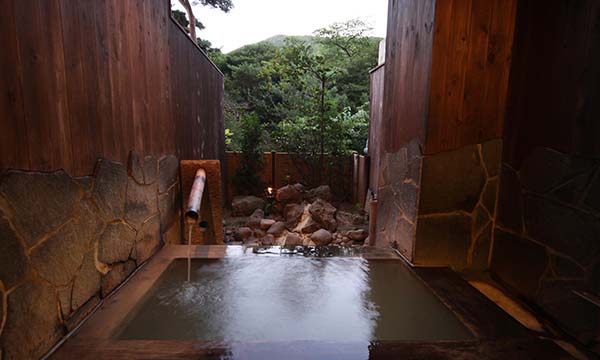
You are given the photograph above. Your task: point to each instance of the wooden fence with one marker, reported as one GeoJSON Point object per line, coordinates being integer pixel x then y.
{"type": "Point", "coordinates": [86, 79]}
{"type": "Point", "coordinates": [289, 168]}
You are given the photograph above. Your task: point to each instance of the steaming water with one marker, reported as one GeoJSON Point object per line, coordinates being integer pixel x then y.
{"type": "Point", "coordinates": [256, 298]}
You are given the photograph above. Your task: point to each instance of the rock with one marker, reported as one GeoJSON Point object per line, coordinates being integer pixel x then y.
{"type": "Point", "coordinates": [116, 243]}
{"type": "Point", "coordinates": [64, 299]}
{"type": "Point", "coordinates": [293, 214]}
{"type": "Point", "coordinates": [259, 234]}
{"type": "Point", "coordinates": [293, 239]}
{"type": "Point", "coordinates": [59, 257]}
{"type": "Point", "coordinates": [78, 316]}
{"type": "Point", "coordinates": [451, 181]}
{"type": "Point", "coordinates": [267, 240]}
{"type": "Point", "coordinates": [544, 169]}
{"type": "Point", "coordinates": [245, 205]}
{"type": "Point", "coordinates": [322, 192]}
{"type": "Point", "coordinates": [141, 203]}
{"type": "Point", "coordinates": [110, 188]}
{"type": "Point", "coordinates": [117, 274]}
{"type": "Point", "coordinates": [255, 219]}
{"type": "Point", "coordinates": [150, 170]}
{"type": "Point", "coordinates": [566, 268]}
{"type": "Point", "coordinates": [87, 282]}
{"type": "Point", "coordinates": [86, 182]}
{"type": "Point", "coordinates": [488, 197]}
{"type": "Point", "coordinates": [32, 325]}
{"type": "Point", "coordinates": [290, 194]}
{"type": "Point", "coordinates": [443, 240]}
{"type": "Point", "coordinates": [135, 168]}
{"type": "Point", "coordinates": [562, 228]}
{"type": "Point", "coordinates": [169, 206]}
{"type": "Point", "coordinates": [242, 234]}
{"type": "Point", "coordinates": [321, 237]}
{"type": "Point", "coordinates": [491, 152]}
{"type": "Point", "coordinates": [593, 197]}
{"type": "Point", "coordinates": [13, 260]}
{"type": "Point", "coordinates": [168, 169]}
{"type": "Point", "coordinates": [323, 213]}
{"type": "Point", "coordinates": [481, 250]}
{"type": "Point", "coordinates": [265, 224]}
{"type": "Point", "coordinates": [41, 201]}
{"type": "Point", "coordinates": [480, 219]}
{"type": "Point", "coordinates": [172, 235]}
{"type": "Point", "coordinates": [522, 273]}
{"type": "Point", "coordinates": [348, 219]}
{"type": "Point", "coordinates": [147, 240]}
{"type": "Point", "coordinates": [310, 226]}
{"type": "Point", "coordinates": [357, 235]}
{"type": "Point", "coordinates": [276, 229]}
{"type": "Point", "coordinates": [510, 200]}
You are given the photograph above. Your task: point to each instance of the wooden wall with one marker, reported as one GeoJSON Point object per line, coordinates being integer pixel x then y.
{"type": "Point", "coordinates": [86, 79]}
{"type": "Point", "coordinates": [447, 69]}
{"type": "Point", "coordinates": [408, 64]}
{"type": "Point", "coordinates": [375, 117]}
{"type": "Point", "coordinates": [554, 97]}
{"type": "Point", "coordinates": [469, 72]}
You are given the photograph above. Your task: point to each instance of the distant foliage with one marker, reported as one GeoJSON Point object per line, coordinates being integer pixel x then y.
{"type": "Point", "coordinates": [310, 94]}
{"type": "Point", "coordinates": [247, 180]}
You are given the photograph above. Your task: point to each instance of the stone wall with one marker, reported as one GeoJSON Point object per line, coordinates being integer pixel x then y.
{"type": "Point", "coordinates": [66, 243]}
{"type": "Point", "coordinates": [547, 237]}
{"type": "Point", "coordinates": [439, 209]}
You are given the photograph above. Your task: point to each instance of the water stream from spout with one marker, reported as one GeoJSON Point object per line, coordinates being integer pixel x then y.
{"type": "Point", "coordinates": [189, 259]}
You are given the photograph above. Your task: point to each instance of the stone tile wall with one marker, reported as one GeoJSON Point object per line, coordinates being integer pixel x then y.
{"type": "Point", "coordinates": [65, 243]}
{"type": "Point", "coordinates": [439, 209]}
{"type": "Point", "coordinates": [547, 237]}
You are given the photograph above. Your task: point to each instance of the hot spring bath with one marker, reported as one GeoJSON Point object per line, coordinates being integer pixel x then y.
{"type": "Point", "coordinates": [290, 298]}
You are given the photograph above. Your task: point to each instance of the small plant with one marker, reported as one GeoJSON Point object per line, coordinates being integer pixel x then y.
{"type": "Point", "coordinates": [247, 180]}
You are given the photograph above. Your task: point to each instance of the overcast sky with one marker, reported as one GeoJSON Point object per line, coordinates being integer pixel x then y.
{"type": "Point", "coordinates": [251, 21]}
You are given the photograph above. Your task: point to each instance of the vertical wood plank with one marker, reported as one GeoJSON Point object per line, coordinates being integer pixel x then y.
{"type": "Point", "coordinates": [13, 128]}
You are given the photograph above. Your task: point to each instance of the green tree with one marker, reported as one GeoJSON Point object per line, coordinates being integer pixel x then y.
{"type": "Point", "coordinates": [183, 20]}
{"type": "Point", "coordinates": [310, 94]}
{"type": "Point", "coordinates": [247, 180]}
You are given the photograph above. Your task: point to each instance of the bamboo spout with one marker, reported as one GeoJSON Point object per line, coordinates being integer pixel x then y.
{"type": "Point", "coordinates": [192, 213]}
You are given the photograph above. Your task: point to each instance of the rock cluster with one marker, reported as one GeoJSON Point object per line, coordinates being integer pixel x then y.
{"type": "Point", "coordinates": [300, 218]}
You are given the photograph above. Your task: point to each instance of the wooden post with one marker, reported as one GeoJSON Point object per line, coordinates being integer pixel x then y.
{"type": "Point", "coordinates": [273, 169]}
{"type": "Point", "coordinates": [355, 178]}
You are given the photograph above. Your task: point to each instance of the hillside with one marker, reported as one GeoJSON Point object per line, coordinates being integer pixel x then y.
{"type": "Point", "coordinates": [279, 41]}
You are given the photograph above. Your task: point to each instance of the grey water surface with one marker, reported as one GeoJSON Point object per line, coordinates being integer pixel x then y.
{"type": "Point", "coordinates": [266, 298]}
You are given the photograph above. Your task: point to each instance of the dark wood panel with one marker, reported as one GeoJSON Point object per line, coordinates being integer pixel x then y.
{"type": "Point", "coordinates": [89, 79]}
{"type": "Point", "coordinates": [554, 96]}
{"type": "Point", "coordinates": [41, 67]}
{"type": "Point", "coordinates": [407, 71]}
{"type": "Point", "coordinates": [81, 69]}
{"type": "Point", "coordinates": [198, 128]}
{"type": "Point", "coordinates": [13, 134]}
{"type": "Point", "coordinates": [469, 72]}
